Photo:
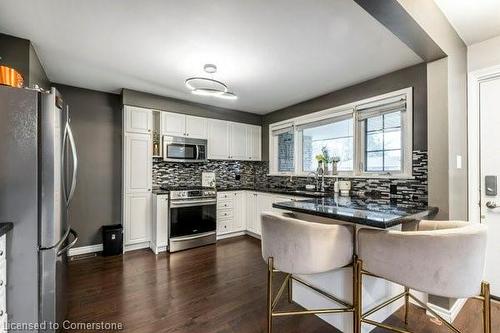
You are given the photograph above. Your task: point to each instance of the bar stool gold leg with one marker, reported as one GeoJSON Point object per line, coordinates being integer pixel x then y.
{"type": "Point", "coordinates": [358, 306]}
{"type": "Point", "coordinates": [485, 293]}
{"type": "Point", "coordinates": [290, 291]}
{"type": "Point", "coordinates": [270, 267]}
{"type": "Point", "coordinates": [407, 304]}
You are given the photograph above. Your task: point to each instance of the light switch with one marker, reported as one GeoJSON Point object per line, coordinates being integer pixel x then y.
{"type": "Point", "coordinates": [459, 161]}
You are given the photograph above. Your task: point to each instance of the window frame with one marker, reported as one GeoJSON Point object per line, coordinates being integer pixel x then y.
{"type": "Point", "coordinates": [359, 141]}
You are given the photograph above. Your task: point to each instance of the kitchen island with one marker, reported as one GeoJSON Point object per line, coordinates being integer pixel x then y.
{"type": "Point", "coordinates": [378, 213]}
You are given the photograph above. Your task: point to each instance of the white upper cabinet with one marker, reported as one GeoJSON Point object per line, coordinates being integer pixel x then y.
{"type": "Point", "coordinates": [218, 139]}
{"type": "Point", "coordinates": [138, 162]}
{"type": "Point", "coordinates": [138, 120]}
{"type": "Point", "coordinates": [238, 141]}
{"type": "Point", "coordinates": [176, 124]}
{"type": "Point", "coordinates": [253, 141]}
{"type": "Point", "coordinates": [233, 141]}
{"type": "Point", "coordinates": [196, 127]}
{"type": "Point", "coordinates": [173, 124]}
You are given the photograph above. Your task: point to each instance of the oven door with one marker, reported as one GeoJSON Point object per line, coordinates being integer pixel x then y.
{"type": "Point", "coordinates": [192, 217]}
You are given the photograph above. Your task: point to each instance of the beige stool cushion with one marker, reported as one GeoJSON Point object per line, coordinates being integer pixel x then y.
{"type": "Point", "coordinates": [443, 258]}
{"type": "Point", "coordinates": [301, 247]}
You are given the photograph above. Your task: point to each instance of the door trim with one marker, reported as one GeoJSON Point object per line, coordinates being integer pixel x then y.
{"type": "Point", "coordinates": [474, 139]}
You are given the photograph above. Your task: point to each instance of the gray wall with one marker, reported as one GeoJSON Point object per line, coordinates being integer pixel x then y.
{"type": "Point", "coordinates": [20, 54]}
{"type": "Point", "coordinates": [141, 99]}
{"type": "Point", "coordinates": [415, 76]}
{"type": "Point", "coordinates": [96, 119]}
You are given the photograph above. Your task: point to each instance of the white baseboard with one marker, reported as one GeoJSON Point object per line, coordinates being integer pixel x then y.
{"type": "Point", "coordinates": [76, 251]}
{"type": "Point", "coordinates": [137, 246]}
{"type": "Point", "coordinates": [231, 234]}
{"type": "Point", "coordinates": [451, 314]}
{"type": "Point", "coordinates": [157, 249]}
{"type": "Point", "coordinates": [254, 235]}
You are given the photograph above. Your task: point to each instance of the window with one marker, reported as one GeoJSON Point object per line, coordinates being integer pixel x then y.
{"type": "Point", "coordinates": [381, 129]}
{"type": "Point", "coordinates": [284, 142]}
{"type": "Point", "coordinates": [383, 143]}
{"type": "Point", "coordinates": [370, 138]}
{"type": "Point", "coordinates": [336, 135]}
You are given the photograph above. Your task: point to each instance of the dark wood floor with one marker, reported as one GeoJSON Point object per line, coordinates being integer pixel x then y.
{"type": "Point", "coordinates": [210, 289]}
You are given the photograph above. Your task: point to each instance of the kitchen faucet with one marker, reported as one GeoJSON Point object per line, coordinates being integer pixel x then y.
{"type": "Point", "coordinates": [316, 178]}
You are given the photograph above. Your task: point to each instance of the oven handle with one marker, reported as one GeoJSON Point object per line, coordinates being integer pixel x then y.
{"type": "Point", "coordinates": [178, 239]}
{"type": "Point", "coordinates": [174, 204]}
{"type": "Point", "coordinates": [197, 152]}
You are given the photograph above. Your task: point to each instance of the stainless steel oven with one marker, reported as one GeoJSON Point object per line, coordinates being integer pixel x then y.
{"type": "Point", "coordinates": [192, 218]}
{"type": "Point", "coordinates": [179, 149]}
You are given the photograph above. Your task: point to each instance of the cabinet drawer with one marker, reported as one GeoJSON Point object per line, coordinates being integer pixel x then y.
{"type": "Point", "coordinates": [224, 226]}
{"type": "Point", "coordinates": [2, 247]}
{"type": "Point", "coordinates": [224, 204]}
{"type": "Point", "coordinates": [224, 214]}
{"type": "Point", "coordinates": [3, 273]}
{"type": "Point", "coordinates": [224, 195]}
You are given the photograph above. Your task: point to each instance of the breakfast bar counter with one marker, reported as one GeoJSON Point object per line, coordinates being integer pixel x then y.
{"type": "Point", "coordinates": [360, 212]}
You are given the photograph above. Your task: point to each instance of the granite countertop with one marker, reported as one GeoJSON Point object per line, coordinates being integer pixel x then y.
{"type": "Point", "coordinates": [285, 191]}
{"type": "Point", "coordinates": [5, 227]}
{"type": "Point", "coordinates": [363, 211]}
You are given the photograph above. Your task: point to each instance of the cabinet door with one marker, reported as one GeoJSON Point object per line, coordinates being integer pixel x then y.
{"type": "Point", "coordinates": [254, 143]}
{"type": "Point", "coordinates": [251, 211]}
{"type": "Point", "coordinates": [218, 137]}
{"type": "Point", "coordinates": [173, 124]}
{"type": "Point", "coordinates": [238, 141]}
{"type": "Point", "coordinates": [196, 127]}
{"type": "Point", "coordinates": [161, 220]}
{"type": "Point", "coordinates": [138, 162]}
{"type": "Point", "coordinates": [138, 120]}
{"type": "Point", "coordinates": [238, 211]}
{"type": "Point", "coordinates": [137, 217]}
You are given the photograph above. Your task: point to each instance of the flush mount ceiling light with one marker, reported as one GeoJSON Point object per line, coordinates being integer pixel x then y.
{"type": "Point", "coordinates": [205, 86]}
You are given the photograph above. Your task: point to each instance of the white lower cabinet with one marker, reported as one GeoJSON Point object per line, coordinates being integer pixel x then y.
{"type": "Point", "coordinates": [3, 282]}
{"type": "Point", "coordinates": [137, 218]}
{"type": "Point", "coordinates": [159, 239]}
{"type": "Point", "coordinates": [230, 212]}
{"type": "Point", "coordinates": [258, 202]}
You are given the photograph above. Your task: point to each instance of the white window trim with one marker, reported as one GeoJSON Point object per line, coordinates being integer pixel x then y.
{"type": "Point", "coordinates": [407, 149]}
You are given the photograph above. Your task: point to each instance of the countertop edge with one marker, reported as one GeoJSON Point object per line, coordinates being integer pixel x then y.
{"type": "Point", "coordinates": [5, 227]}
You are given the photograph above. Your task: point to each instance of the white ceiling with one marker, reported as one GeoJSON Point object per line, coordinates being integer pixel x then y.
{"type": "Point", "coordinates": [474, 20]}
{"type": "Point", "coordinates": [272, 54]}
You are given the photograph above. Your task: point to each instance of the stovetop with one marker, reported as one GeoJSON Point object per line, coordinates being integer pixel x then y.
{"type": "Point", "coordinates": [185, 188]}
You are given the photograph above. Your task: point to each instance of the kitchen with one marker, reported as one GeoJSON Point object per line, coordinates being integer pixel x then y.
{"type": "Point", "coordinates": [178, 153]}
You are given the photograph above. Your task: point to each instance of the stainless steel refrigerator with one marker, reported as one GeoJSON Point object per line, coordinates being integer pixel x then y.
{"type": "Point", "coordinates": [38, 172]}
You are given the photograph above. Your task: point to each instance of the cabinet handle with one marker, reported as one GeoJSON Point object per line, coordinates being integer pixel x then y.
{"type": "Point", "coordinates": [1, 283]}
{"type": "Point", "coordinates": [149, 190]}
{"type": "Point", "coordinates": [1, 313]}
{"type": "Point", "coordinates": [1, 252]}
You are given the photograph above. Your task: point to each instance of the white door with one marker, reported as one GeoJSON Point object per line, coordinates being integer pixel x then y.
{"type": "Point", "coordinates": [196, 127]}
{"type": "Point", "coordinates": [138, 120]}
{"type": "Point", "coordinates": [239, 211]}
{"type": "Point", "coordinates": [238, 141]}
{"type": "Point", "coordinates": [137, 217]}
{"type": "Point", "coordinates": [489, 108]}
{"type": "Point", "coordinates": [173, 124]}
{"type": "Point", "coordinates": [218, 137]}
{"type": "Point", "coordinates": [251, 211]}
{"type": "Point", "coordinates": [138, 162]}
{"type": "Point", "coordinates": [254, 143]}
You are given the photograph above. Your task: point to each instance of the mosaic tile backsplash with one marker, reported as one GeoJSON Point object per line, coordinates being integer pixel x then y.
{"type": "Point", "coordinates": [245, 174]}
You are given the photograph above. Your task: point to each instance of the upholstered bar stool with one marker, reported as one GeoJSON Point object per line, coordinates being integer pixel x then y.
{"type": "Point", "coordinates": [297, 247]}
{"type": "Point", "coordinates": [443, 258]}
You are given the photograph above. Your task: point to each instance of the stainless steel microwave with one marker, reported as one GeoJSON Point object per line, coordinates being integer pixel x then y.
{"type": "Point", "coordinates": [180, 149]}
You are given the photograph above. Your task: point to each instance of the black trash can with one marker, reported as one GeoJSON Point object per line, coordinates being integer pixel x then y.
{"type": "Point", "coordinates": [112, 240]}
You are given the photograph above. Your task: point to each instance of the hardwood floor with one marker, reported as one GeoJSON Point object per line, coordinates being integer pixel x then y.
{"type": "Point", "coordinates": [209, 289]}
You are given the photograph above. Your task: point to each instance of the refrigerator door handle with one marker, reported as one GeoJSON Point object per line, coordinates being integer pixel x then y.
{"type": "Point", "coordinates": [68, 136]}
{"type": "Point", "coordinates": [59, 243]}
{"type": "Point", "coordinates": [71, 244]}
